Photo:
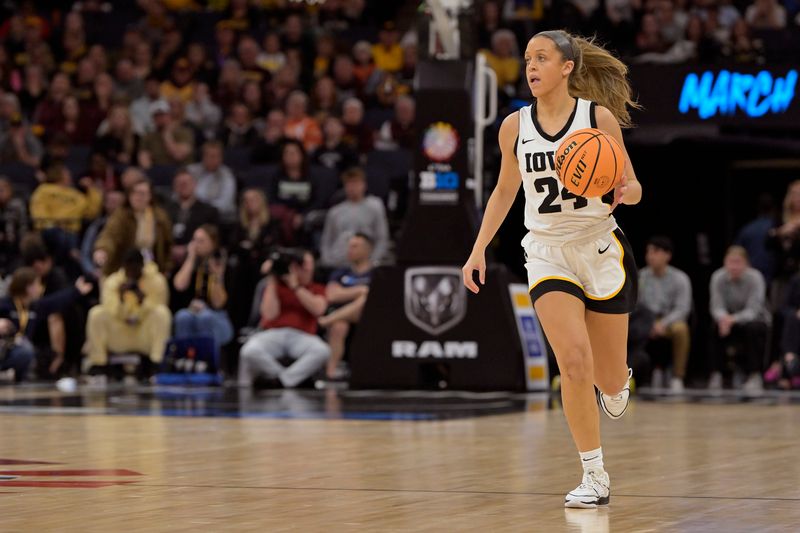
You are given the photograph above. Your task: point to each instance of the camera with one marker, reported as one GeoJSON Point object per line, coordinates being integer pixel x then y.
{"type": "Point", "coordinates": [282, 258]}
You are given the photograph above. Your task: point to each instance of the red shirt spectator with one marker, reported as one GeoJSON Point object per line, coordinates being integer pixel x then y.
{"type": "Point", "coordinates": [293, 314]}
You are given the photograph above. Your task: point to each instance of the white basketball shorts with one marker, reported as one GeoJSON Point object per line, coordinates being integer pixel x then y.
{"type": "Point", "coordinates": [601, 272]}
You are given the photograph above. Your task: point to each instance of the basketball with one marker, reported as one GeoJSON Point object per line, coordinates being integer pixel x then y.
{"type": "Point", "coordinates": [590, 162]}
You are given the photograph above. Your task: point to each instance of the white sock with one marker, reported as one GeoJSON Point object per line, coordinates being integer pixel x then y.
{"type": "Point", "coordinates": [592, 460]}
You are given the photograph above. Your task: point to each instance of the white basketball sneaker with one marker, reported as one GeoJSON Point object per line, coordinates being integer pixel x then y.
{"type": "Point", "coordinates": [615, 406]}
{"type": "Point", "coordinates": [594, 490]}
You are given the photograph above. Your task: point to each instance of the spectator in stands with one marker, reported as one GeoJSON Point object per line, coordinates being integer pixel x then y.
{"type": "Point", "coordinates": [142, 108]}
{"type": "Point", "coordinates": [96, 109]}
{"type": "Point", "coordinates": [248, 53]}
{"type": "Point", "coordinates": [51, 341]}
{"type": "Point", "coordinates": [649, 38]}
{"type": "Point", "coordinates": [357, 133]}
{"type": "Point", "coordinates": [112, 201]}
{"type": "Point", "coordinates": [347, 292]}
{"type": "Point", "coordinates": [128, 87]}
{"type": "Point", "coordinates": [667, 293]}
{"type": "Point", "coordinates": [77, 127]}
{"type": "Point", "coordinates": [406, 75]}
{"type": "Point", "coordinates": [325, 99]}
{"type": "Point", "coordinates": [326, 50]}
{"type": "Point", "coordinates": [200, 290]}
{"type": "Point", "coordinates": [754, 235]}
{"type": "Point", "coordinates": [741, 319]}
{"type": "Point", "coordinates": [272, 57]}
{"type": "Point", "coordinates": [359, 213]}
{"type": "Point", "coordinates": [334, 153]}
{"type": "Point", "coordinates": [344, 76]}
{"type": "Point", "coordinates": [187, 213]}
{"type": "Point", "coordinates": [742, 47]}
{"type": "Point", "coordinates": [251, 241]}
{"type": "Point", "coordinates": [48, 113]}
{"type": "Point", "coordinates": [202, 113]}
{"type": "Point", "coordinates": [181, 84]}
{"type": "Point", "coordinates": [766, 15]}
{"type": "Point", "coordinates": [203, 69]}
{"type": "Point", "coordinates": [285, 81]}
{"type": "Point", "coordinates": [505, 60]}
{"type": "Point", "coordinates": [238, 129]}
{"type": "Point", "coordinates": [253, 99]}
{"type": "Point", "coordinates": [17, 143]}
{"type": "Point", "coordinates": [784, 239]}
{"type": "Point", "coordinates": [671, 21]}
{"type": "Point", "coordinates": [489, 21]}
{"type": "Point", "coordinates": [20, 313]}
{"type": "Point", "coordinates": [143, 62]}
{"type": "Point", "coordinates": [363, 64]}
{"type": "Point", "coordinates": [13, 225]}
{"type": "Point", "coordinates": [268, 146]}
{"type": "Point", "coordinates": [293, 193]}
{"type": "Point", "coordinates": [57, 206]}
{"type": "Point", "coordinates": [399, 132]}
{"type": "Point", "coordinates": [116, 138]}
{"type": "Point", "coordinates": [290, 306]}
{"type": "Point", "coordinates": [387, 53]}
{"type": "Point", "coordinates": [139, 225]}
{"type": "Point", "coordinates": [33, 91]}
{"type": "Point", "coordinates": [215, 182]}
{"type": "Point", "coordinates": [132, 315]}
{"type": "Point", "coordinates": [299, 125]}
{"type": "Point", "coordinates": [169, 143]}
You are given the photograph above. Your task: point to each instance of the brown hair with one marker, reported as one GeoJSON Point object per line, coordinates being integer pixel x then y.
{"type": "Point", "coordinates": [597, 76]}
{"type": "Point", "coordinates": [213, 233]}
{"type": "Point", "coordinates": [787, 201]}
{"type": "Point", "coordinates": [737, 250]}
{"type": "Point", "coordinates": [352, 174]}
{"type": "Point", "coordinates": [263, 215]}
{"type": "Point", "coordinates": [20, 281]}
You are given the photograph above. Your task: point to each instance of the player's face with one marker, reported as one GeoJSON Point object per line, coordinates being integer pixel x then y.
{"type": "Point", "coordinates": [545, 68]}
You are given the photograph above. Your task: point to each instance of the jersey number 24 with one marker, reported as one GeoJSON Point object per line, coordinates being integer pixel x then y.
{"type": "Point", "coordinates": [552, 186]}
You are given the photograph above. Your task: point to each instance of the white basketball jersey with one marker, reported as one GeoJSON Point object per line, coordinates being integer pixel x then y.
{"type": "Point", "coordinates": [551, 212]}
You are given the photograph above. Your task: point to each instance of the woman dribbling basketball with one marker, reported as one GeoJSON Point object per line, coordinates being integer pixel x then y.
{"type": "Point", "coordinates": [581, 272]}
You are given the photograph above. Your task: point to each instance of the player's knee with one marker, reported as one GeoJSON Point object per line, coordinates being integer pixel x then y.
{"type": "Point", "coordinates": [574, 362]}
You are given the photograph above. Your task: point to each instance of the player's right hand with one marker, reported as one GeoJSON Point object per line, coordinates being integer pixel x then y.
{"type": "Point", "coordinates": [476, 261]}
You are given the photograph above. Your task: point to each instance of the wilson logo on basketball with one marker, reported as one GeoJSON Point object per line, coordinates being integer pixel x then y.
{"type": "Point", "coordinates": [589, 162]}
{"type": "Point", "coordinates": [563, 155]}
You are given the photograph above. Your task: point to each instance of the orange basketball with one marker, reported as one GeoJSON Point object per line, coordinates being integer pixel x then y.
{"type": "Point", "coordinates": [590, 162]}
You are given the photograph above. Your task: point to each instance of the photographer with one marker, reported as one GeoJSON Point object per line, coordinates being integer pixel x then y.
{"type": "Point", "coordinates": [290, 307]}
{"type": "Point", "coordinates": [21, 311]}
{"type": "Point", "coordinates": [132, 315]}
{"type": "Point", "coordinates": [200, 287]}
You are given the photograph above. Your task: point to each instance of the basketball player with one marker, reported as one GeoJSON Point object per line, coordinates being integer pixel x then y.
{"type": "Point", "coordinates": [581, 272]}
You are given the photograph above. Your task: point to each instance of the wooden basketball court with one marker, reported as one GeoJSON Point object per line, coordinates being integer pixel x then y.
{"type": "Point", "coordinates": [135, 460]}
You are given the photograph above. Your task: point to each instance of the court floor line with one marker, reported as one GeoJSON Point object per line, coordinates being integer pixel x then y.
{"type": "Point", "coordinates": [429, 491]}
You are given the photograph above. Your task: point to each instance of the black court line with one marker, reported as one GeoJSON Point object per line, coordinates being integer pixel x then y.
{"type": "Point", "coordinates": [429, 491]}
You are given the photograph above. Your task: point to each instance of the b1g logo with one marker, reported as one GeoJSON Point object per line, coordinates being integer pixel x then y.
{"type": "Point", "coordinates": [438, 181]}
{"type": "Point", "coordinates": [435, 298]}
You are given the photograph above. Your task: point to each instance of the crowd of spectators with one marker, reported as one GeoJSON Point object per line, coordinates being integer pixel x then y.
{"type": "Point", "coordinates": [168, 148]}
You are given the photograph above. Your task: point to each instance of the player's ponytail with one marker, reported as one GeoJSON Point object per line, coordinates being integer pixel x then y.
{"type": "Point", "coordinates": [598, 76]}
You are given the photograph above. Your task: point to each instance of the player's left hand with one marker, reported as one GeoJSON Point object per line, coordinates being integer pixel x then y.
{"type": "Point", "coordinates": [619, 191]}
